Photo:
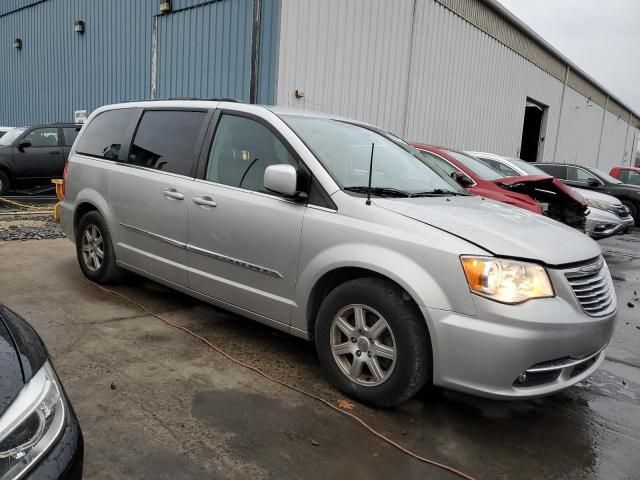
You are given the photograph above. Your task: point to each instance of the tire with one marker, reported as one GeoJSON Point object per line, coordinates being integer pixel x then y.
{"type": "Point", "coordinates": [92, 232]}
{"type": "Point", "coordinates": [5, 184]}
{"type": "Point", "coordinates": [397, 380]}
{"type": "Point", "coordinates": [634, 211]}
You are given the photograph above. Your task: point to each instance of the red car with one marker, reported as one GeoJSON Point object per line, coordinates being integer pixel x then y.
{"type": "Point", "coordinates": [630, 175]}
{"type": "Point", "coordinates": [541, 194]}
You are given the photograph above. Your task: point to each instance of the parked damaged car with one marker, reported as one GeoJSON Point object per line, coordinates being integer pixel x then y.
{"type": "Point", "coordinates": [329, 230]}
{"type": "Point", "coordinates": [593, 179]}
{"type": "Point", "coordinates": [39, 434]}
{"type": "Point", "coordinates": [537, 193]}
{"type": "Point", "coordinates": [607, 215]}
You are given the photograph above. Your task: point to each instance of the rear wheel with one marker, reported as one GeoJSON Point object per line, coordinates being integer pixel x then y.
{"type": "Point", "coordinates": [94, 249]}
{"type": "Point", "coordinates": [372, 341]}
{"type": "Point", "coordinates": [634, 210]}
{"type": "Point", "coordinates": [5, 184]}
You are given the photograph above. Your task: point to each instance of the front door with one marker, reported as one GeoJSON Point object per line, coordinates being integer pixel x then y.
{"type": "Point", "coordinates": [244, 242]}
{"type": "Point", "coordinates": [42, 159]}
{"type": "Point", "coordinates": [149, 193]}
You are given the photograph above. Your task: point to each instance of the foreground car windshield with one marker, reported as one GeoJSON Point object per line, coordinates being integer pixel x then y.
{"type": "Point", "coordinates": [11, 135]}
{"type": "Point", "coordinates": [344, 149]}
{"type": "Point", "coordinates": [475, 165]}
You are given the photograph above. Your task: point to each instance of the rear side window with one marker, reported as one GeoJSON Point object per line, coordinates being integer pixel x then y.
{"type": "Point", "coordinates": [558, 171]}
{"type": "Point", "coordinates": [167, 140]}
{"type": "Point", "coordinates": [104, 136]}
{"type": "Point", "coordinates": [70, 134]}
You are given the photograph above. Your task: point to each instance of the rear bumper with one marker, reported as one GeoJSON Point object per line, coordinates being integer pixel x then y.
{"type": "Point", "coordinates": [556, 345]}
{"type": "Point", "coordinates": [603, 224]}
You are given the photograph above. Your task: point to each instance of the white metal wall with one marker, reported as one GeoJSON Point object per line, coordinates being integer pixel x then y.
{"type": "Point", "coordinates": [439, 80]}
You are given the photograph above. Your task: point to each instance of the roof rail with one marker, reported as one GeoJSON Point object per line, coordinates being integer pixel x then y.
{"type": "Point", "coordinates": [210, 99]}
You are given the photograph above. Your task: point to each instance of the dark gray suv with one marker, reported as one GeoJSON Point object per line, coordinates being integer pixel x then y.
{"type": "Point", "coordinates": [32, 156]}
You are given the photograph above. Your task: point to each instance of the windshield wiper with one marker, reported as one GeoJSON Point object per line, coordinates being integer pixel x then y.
{"type": "Point", "coordinates": [437, 192]}
{"type": "Point", "coordinates": [380, 191]}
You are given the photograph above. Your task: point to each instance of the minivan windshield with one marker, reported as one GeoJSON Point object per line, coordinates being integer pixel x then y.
{"type": "Point", "coordinates": [344, 149]}
{"type": "Point", "coordinates": [9, 137]}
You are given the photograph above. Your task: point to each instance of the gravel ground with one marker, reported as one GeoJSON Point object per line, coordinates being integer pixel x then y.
{"type": "Point", "coordinates": [29, 227]}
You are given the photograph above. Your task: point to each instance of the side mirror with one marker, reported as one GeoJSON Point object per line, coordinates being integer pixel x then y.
{"type": "Point", "coordinates": [282, 179]}
{"type": "Point", "coordinates": [462, 179]}
{"type": "Point", "coordinates": [24, 144]}
{"type": "Point", "coordinates": [593, 182]}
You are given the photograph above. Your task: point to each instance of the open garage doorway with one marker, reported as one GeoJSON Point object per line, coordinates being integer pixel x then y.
{"type": "Point", "coordinates": [533, 131]}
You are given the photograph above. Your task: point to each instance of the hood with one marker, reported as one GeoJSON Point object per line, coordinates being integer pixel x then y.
{"type": "Point", "coordinates": [593, 195]}
{"type": "Point", "coordinates": [544, 182]}
{"type": "Point", "coordinates": [498, 228]}
{"type": "Point", "coordinates": [22, 354]}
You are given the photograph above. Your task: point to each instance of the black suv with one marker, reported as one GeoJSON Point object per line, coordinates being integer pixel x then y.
{"type": "Point", "coordinates": [594, 179]}
{"type": "Point", "coordinates": [32, 156]}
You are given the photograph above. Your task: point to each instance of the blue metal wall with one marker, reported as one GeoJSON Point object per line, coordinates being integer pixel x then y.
{"type": "Point", "coordinates": [202, 51]}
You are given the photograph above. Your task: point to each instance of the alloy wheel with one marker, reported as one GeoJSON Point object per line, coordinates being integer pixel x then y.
{"type": "Point", "coordinates": [363, 345]}
{"type": "Point", "coordinates": [92, 247]}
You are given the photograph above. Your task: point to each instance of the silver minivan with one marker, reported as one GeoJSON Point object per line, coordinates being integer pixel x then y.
{"type": "Point", "coordinates": [341, 233]}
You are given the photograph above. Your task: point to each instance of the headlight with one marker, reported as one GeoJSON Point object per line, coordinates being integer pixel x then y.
{"type": "Point", "coordinates": [602, 205]}
{"type": "Point", "coordinates": [506, 281]}
{"type": "Point", "coordinates": [31, 424]}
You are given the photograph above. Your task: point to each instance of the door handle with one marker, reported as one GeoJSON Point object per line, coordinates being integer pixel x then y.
{"type": "Point", "coordinates": [172, 193]}
{"type": "Point", "coordinates": [204, 201]}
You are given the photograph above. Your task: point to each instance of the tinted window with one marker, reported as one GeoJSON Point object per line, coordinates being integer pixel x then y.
{"type": "Point", "coordinates": [42, 137]}
{"type": "Point", "coordinates": [242, 150]}
{"type": "Point", "coordinates": [527, 168]}
{"type": "Point", "coordinates": [558, 171]}
{"type": "Point", "coordinates": [578, 174]}
{"type": "Point", "coordinates": [70, 135]}
{"type": "Point", "coordinates": [631, 177]}
{"type": "Point", "coordinates": [604, 176]}
{"type": "Point", "coordinates": [105, 135]}
{"type": "Point", "coordinates": [499, 167]}
{"type": "Point", "coordinates": [441, 163]}
{"type": "Point", "coordinates": [168, 141]}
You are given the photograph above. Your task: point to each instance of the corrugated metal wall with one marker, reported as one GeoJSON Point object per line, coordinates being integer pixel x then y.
{"type": "Point", "coordinates": [349, 57]}
{"type": "Point", "coordinates": [206, 51]}
{"type": "Point", "coordinates": [202, 51]}
{"type": "Point", "coordinates": [466, 89]}
{"type": "Point", "coordinates": [11, 5]}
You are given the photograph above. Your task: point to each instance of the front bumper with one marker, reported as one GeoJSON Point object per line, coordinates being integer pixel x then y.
{"type": "Point", "coordinates": [602, 224]}
{"type": "Point", "coordinates": [65, 459]}
{"type": "Point", "coordinates": [486, 354]}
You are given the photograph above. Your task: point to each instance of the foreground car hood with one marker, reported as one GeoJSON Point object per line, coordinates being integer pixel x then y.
{"type": "Point", "coordinates": [498, 228]}
{"type": "Point", "coordinates": [10, 372]}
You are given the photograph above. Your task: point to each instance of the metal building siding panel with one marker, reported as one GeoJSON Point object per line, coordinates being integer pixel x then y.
{"type": "Point", "coordinates": [350, 58]}
{"type": "Point", "coordinates": [612, 151]}
{"type": "Point", "coordinates": [477, 87]}
{"type": "Point", "coordinates": [7, 6]}
{"type": "Point", "coordinates": [58, 70]}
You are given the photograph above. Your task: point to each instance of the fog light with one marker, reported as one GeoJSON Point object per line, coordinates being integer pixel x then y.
{"type": "Point", "coordinates": [522, 378]}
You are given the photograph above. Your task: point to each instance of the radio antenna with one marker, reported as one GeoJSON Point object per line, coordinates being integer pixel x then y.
{"type": "Point", "coordinates": [368, 202]}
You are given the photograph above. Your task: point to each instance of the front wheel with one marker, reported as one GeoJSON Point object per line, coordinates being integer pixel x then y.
{"type": "Point", "coordinates": [372, 341]}
{"type": "Point", "coordinates": [94, 249]}
{"type": "Point", "coordinates": [5, 185]}
{"type": "Point", "coordinates": [634, 211]}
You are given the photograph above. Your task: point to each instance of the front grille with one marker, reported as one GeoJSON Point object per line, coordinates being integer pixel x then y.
{"type": "Point", "coordinates": [593, 288]}
{"type": "Point", "coordinates": [620, 210]}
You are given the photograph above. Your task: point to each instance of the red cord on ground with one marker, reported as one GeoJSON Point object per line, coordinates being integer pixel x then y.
{"type": "Point", "coordinates": [291, 387]}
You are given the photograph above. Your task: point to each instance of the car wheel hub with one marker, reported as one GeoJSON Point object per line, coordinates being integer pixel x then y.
{"type": "Point", "coordinates": [363, 345]}
{"type": "Point", "coordinates": [92, 245]}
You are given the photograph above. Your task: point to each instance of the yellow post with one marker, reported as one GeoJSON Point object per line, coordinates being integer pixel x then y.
{"type": "Point", "coordinates": [58, 182]}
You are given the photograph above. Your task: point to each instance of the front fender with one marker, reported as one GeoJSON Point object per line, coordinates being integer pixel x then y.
{"type": "Point", "coordinates": [418, 281]}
